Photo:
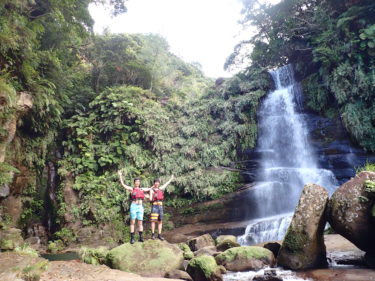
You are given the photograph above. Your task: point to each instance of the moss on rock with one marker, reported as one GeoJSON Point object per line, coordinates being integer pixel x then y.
{"type": "Point", "coordinates": [243, 252]}
{"type": "Point", "coordinates": [204, 268]}
{"type": "Point", "coordinates": [246, 258]}
{"type": "Point", "coordinates": [151, 258]}
{"type": "Point", "coordinates": [221, 238]}
{"type": "Point", "coordinates": [294, 240]}
{"type": "Point", "coordinates": [187, 252]}
{"type": "Point", "coordinates": [227, 244]}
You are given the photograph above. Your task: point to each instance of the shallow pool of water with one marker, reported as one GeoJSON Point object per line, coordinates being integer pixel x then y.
{"type": "Point", "coordinates": [68, 256]}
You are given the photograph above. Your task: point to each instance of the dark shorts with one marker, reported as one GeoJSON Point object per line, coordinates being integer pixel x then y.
{"type": "Point", "coordinates": [157, 213]}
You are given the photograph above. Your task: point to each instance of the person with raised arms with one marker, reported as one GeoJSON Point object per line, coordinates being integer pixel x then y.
{"type": "Point", "coordinates": [157, 213]}
{"type": "Point", "coordinates": [137, 195]}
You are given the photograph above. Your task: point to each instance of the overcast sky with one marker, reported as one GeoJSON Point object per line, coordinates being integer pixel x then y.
{"type": "Point", "coordinates": [203, 31]}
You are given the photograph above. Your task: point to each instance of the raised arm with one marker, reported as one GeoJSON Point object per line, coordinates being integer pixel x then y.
{"type": "Point", "coordinates": [164, 186]}
{"type": "Point", "coordinates": [128, 188]}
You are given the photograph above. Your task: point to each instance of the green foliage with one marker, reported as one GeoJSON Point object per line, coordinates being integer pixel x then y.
{"type": "Point", "coordinates": [6, 173]}
{"type": "Point", "coordinates": [65, 235]}
{"type": "Point", "coordinates": [116, 101]}
{"type": "Point", "coordinates": [26, 250]}
{"type": "Point", "coordinates": [188, 254]}
{"type": "Point", "coordinates": [95, 256]}
{"type": "Point", "coordinates": [127, 127]}
{"type": "Point", "coordinates": [55, 246]}
{"type": "Point", "coordinates": [369, 166]}
{"type": "Point", "coordinates": [332, 47]}
{"type": "Point", "coordinates": [32, 206]}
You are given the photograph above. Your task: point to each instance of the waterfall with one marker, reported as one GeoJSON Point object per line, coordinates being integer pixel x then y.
{"type": "Point", "coordinates": [287, 161]}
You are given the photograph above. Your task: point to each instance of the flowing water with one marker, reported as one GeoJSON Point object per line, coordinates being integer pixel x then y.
{"type": "Point", "coordinates": [287, 161]}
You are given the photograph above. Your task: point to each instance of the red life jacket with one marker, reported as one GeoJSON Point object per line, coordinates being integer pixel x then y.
{"type": "Point", "coordinates": [158, 195]}
{"type": "Point", "coordinates": [137, 193]}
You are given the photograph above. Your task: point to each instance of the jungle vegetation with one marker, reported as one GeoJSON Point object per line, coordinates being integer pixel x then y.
{"type": "Point", "coordinates": [124, 101]}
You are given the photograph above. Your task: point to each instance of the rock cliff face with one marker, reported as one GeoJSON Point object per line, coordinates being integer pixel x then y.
{"type": "Point", "coordinates": [10, 192]}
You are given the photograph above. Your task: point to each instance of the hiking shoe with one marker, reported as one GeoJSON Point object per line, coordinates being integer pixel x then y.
{"type": "Point", "coordinates": [160, 237]}
{"type": "Point", "coordinates": [132, 240]}
{"type": "Point", "coordinates": [153, 236]}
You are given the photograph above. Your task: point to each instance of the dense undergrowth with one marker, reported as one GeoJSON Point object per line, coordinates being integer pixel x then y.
{"type": "Point", "coordinates": [124, 101]}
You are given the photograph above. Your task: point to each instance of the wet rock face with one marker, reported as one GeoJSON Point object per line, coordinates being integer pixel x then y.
{"type": "Point", "coordinates": [349, 212]}
{"type": "Point", "coordinates": [303, 246]}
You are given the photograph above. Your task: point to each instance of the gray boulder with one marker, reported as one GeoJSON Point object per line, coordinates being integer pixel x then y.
{"type": "Point", "coordinates": [350, 208]}
{"type": "Point", "coordinates": [200, 242]}
{"type": "Point", "coordinates": [303, 245]}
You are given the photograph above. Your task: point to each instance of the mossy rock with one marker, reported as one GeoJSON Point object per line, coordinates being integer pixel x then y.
{"type": "Point", "coordinates": [151, 258]}
{"type": "Point", "coordinates": [93, 256]}
{"type": "Point", "coordinates": [227, 244]}
{"type": "Point", "coordinates": [10, 239]}
{"type": "Point", "coordinates": [204, 268]}
{"type": "Point", "coordinates": [246, 258]}
{"type": "Point", "coordinates": [16, 266]}
{"type": "Point", "coordinates": [187, 252]}
{"type": "Point", "coordinates": [222, 238]}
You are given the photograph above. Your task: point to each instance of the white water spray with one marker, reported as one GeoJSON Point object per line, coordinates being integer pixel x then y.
{"type": "Point", "coordinates": [287, 161]}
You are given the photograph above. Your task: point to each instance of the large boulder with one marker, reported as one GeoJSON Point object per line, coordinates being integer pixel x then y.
{"type": "Point", "coordinates": [349, 211]}
{"type": "Point", "coordinates": [200, 242]}
{"type": "Point", "coordinates": [246, 258]}
{"type": "Point", "coordinates": [227, 244]}
{"type": "Point", "coordinates": [10, 238]}
{"type": "Point", "coordinates": [151, 258]}
{"type": "Point", "coordinates": [15, 266]}
{"type": "Point", "coordinates": [221, 238]}
{"type": "Point", "coordinates": [204, 268]}
{"type": "Point", "coordinates": [303, 245]}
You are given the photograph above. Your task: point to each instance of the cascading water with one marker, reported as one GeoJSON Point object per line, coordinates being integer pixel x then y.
{"type": "Point", "coordinates": [287, 161]}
